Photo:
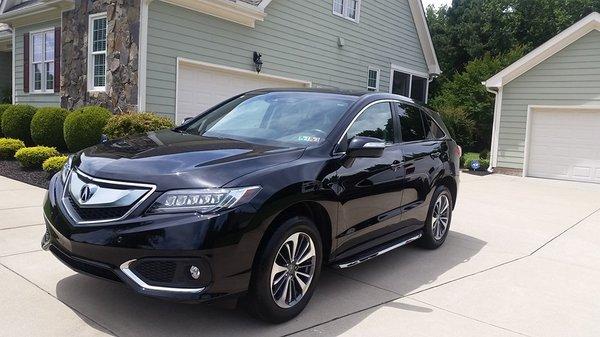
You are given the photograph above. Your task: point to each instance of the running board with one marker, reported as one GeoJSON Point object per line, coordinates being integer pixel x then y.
{"type": "Point", "coordinates": [365, 256]}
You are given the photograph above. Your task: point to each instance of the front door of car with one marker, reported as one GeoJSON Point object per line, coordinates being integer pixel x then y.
{"type": "Point", "coordinates": [422, 153]}
{"type": "Point", "coordinates": [369, 189]}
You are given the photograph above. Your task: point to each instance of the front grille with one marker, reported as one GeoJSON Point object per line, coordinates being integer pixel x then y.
{"type": "Point", "coordinates": [92, 214]}
{"type": "Point", "coordinates": [156, 271]}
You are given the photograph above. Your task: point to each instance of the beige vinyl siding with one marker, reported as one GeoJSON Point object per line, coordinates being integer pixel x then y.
{"type": "Point", "coordinates": [298, 39]}
{"type": "Point", "coordinates": [569, 77]}
{"type": "Point", "coordinates": [35, 99]}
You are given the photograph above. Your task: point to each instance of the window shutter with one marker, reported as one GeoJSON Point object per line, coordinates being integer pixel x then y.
{"type": "Point", "coordinates": [57, 50]}
{"type": "Point", "coordinates": [26, 78]}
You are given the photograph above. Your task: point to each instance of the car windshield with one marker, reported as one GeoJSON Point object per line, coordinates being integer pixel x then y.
{"type": "Point", "coordinates": [292, 118]}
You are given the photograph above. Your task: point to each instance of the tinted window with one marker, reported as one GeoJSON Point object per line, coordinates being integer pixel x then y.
{"type": "Point", "coordinates": [411, 123]}
{"type": "Point", "coordinates": [375, 122]}
{"type": "Point", "coordinates": [432, 129]}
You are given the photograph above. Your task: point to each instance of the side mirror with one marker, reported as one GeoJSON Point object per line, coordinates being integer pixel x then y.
{"type": "Point", "coordinates": [365, 147]}
{"type": "Point", "coordinates": [187, 119]}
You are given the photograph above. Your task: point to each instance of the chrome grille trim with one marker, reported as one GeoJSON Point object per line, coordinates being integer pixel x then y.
{"type": "Point", "coordinates": [73, 214]}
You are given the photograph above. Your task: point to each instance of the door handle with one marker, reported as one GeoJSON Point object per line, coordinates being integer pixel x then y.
{"type": "Point", "coordinates": [435, 154]}
{"type": "Point", "coordinates": [396, 165]}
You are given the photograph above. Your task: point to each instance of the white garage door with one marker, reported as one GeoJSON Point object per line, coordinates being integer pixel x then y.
{"type": "Point", "coordinates": [564, 144]}
{"type": "Point", "coordinates": [200, 86]}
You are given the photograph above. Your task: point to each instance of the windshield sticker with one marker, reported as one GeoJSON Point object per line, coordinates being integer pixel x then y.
{"type": "Point", "coordinates": [309, 139]}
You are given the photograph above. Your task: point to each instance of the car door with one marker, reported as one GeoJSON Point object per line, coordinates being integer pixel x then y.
{"type": "Point", "coordinates": [369, 189]}
{"type": "Point", "coordinates": [422, 152]}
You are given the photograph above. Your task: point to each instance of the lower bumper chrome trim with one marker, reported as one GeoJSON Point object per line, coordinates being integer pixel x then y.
{"type": "Point", "coordinates": [380, 252]}
{"type": "Point", "coordinates": [145, 286]}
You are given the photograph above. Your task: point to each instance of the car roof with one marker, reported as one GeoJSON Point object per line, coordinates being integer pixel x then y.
{"type": "Point", "coordinates": [335, 91]}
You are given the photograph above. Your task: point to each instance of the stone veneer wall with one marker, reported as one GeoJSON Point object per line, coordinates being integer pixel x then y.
{"type": "Point", "coordinates": [123, 22]}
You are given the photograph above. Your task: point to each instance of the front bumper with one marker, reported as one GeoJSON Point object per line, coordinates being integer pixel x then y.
{"type": "Point", "coordinates": [153, 254]}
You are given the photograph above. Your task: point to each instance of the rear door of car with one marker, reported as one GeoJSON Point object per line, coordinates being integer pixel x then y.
{"type": "Point", "coordinates": [422, 150]}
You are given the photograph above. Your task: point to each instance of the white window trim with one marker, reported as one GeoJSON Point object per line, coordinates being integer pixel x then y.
{"type": "Point", "coordinates": [376, 88]}
{"type": "Point", "coordinates": [91, 53]}
{"type": "Point", "coordinates": [411, 73]}
{"type": "Point", "coordinates": [344, 13]}
{"type": "Point", "coordinates": [43, 90]}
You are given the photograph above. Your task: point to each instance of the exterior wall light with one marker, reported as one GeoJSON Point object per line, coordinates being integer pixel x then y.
{"type": "Point", "coordinates": [258, 63]}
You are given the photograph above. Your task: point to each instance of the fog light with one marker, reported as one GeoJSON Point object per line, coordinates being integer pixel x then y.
{"type": "Point", "coordinates": [195, 272]}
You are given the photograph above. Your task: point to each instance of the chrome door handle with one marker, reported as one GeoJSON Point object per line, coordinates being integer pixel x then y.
{"type": "Point", "coordinates": [396, 165]}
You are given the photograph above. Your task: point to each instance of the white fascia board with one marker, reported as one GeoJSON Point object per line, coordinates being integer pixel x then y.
{"type": "Point", "coordinates": [546, 50]}
{"type": "Point", "coordinates": [38, 12]}
{"type": "Point", "coordinates": [418, 13]}
{"type": "Point", "coordinates": [238, 12]}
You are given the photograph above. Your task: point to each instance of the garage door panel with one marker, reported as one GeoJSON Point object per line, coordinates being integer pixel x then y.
{"type": "Point", "coordinates": [202, 87]}
{"type": "Point", "coordinates": [563, 144]}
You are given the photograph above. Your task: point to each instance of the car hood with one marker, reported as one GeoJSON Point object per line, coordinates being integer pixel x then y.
{"type": "Point", "coordinates": [171, 159]}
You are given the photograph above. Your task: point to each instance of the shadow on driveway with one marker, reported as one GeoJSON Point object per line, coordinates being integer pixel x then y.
{"type": "Point", "coordinates": [339, 293]}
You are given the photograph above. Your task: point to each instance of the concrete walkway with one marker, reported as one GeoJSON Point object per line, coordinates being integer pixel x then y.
{"type": "Point", "coordinates": [523, 258]}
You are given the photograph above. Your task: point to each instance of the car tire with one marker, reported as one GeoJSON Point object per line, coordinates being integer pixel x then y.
{"type": "Point", "coordinates": [439, 218]}
{"type": "Point", "coordinates": [263, 300]}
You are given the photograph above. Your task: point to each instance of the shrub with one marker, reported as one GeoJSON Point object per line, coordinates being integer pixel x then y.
{"type": "Point", "coordinates": [47, 127]}
{"type": "Point", "coordinates": [9, 146]}
{"type": "Point", "coordinates": [16, 121]}
{"type": "Point", "coordinates": [54, 164]}
{"type": "Point", "coordinates": [33, 157]}
{"type": "Point", "coordinates": [83, 127]}
{"type": "Point", "coordinates": [459, 124]}
{"type": "Point", "coordinates": [130, 124]}
{"type": "Point", "coordinates": [2, 108]}
{"type": "Point", "coordinates": [484, 155]}
{"type": "Point", "coordinates": [468, 158]}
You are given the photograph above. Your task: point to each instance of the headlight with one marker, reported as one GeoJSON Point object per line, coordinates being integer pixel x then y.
{"type": "Point", "coordinates": [203, 201]}
{"type": "Point", "coordinates": [64, 173]}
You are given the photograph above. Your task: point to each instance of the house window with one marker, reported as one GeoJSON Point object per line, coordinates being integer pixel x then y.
{"type": "Point", "coordinates": [42, 61]}
{"type": "Point", "coordinates": [373, 80]}
{"type": "Point", "coordinates": [349, 9]}
{"type": "Point", "coordinates": [97, 53]}
{"type": "Point", "coordinates": [409, 85]}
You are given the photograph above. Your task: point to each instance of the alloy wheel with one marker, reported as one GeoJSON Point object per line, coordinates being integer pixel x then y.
{"type": "Point", "coordinates": [440, 217]}
{"type": "Point", "coordinates": [293, 270]}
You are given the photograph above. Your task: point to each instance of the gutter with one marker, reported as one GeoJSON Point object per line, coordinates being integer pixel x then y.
{"type": "Point", "coordinates": [33, 9]}
{"type": "Point", "coordinates": [495, 125]}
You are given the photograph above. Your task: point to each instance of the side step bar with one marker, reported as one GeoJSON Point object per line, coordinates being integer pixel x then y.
{"type": "Point", "coordinates": [377, 251]}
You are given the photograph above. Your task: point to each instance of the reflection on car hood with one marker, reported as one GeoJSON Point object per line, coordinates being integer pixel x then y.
{"type": "Point", "coordinates": [178, 160]}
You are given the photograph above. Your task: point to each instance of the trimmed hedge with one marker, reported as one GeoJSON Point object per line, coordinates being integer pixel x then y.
{"type": "Point", "coordinates": [34, 157]}
{"type": "Point", "coordinates": [47, 127]}
{"type": "Point", "coordinates": [9, 146]}
{"type": "Point", "coordinates": [16, 121]}
{"type": "Point", "coordinates": [2, 108]}
{"type": "Point", "coordinates": [54, 164]}
{"type": "Point", "coordinates": [83, 127]}
{"type": "Point", "coordinates": [119, 126]}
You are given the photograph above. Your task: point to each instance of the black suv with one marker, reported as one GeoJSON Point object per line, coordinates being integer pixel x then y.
{"type": "Point", "coordinates": [255, 195]}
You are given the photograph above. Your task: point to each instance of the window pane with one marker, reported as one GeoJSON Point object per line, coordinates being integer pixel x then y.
{"type": "Point", "coordinates": [37, 76]}
{"type": "Point", "coordinates": [401, 83]}
{"type": "Point", "coordinates": [375, 122]}
{"type": "Point", "coordinates": [419, 88]}
{"type": "Point", "coordinates": [432, 130]}
{"type": "Point", "coordinates": [99, 35]}
{"type": "Point", "coordinates": [49, 75]}
{"type": "Point", "coordinates": [411, 123]}
{"type": "Point", "coordinates": [99, 70]}
{"type": "Point", "coordinates": [49, 46]}
{"type": "Point", "coordinates": [372, 81]}
{"type": "Point", "coordinates": [338, 6]}
{"type": "Point", "coordinates": [352, 7]}
{"type": "Point", "coordinates": [38, 44]}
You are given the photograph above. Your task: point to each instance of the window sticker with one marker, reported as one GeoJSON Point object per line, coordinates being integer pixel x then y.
{"type": "Point", "coordinates": [309, 139]}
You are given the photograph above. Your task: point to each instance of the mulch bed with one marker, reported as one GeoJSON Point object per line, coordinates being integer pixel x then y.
{"type": "Point", "coordinates": [12, 169]}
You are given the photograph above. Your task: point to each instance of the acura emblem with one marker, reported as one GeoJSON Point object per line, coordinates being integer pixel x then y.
{"type": "Point", "coordinates": [87, 191]}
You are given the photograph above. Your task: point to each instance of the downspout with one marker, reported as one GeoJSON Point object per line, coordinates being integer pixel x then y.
{"type": "Point", "coordinates": [14, 86]}
{"type": "Point", "coordinates": [495, 126]}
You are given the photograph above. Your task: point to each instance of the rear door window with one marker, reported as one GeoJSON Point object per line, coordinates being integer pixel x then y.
{"type": "Point", "coordinates": [411, 123]}
{"type": "Point", "coordinates": [432, 129]}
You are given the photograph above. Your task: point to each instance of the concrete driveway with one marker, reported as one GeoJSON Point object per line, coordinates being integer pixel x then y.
{"type": "Point", "coordinates": [523, 258]}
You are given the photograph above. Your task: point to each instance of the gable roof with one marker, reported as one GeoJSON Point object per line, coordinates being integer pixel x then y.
{"type": "Point", "coordinates": [546, 50]}
{"type": "Point", "coordinates": [418, 14]}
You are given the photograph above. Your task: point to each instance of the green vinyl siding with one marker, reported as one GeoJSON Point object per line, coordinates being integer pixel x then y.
{"type": "Point", "coordinates": [569, 77]}
{"type": "Point", "coordinates": [36, 99]}
{"type": "Point", "coordinates": [298, 39]}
